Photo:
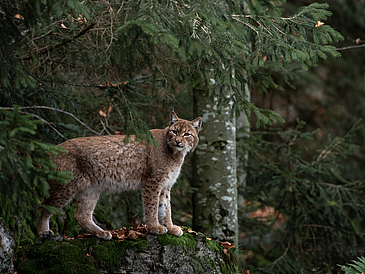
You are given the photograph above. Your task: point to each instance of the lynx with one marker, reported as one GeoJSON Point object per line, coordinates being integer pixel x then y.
{"type": "Point", "coordinates": [102, 164]}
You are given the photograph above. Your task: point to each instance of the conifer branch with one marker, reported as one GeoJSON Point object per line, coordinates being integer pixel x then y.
{"type": "Point", "coordinates": [79, 121]}
{"type": "Point", "coordinates": [61, 44]}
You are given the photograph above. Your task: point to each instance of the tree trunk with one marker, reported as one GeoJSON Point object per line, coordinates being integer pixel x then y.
{"type": "Point", "coordinates": [7, 250]}
{"type": "Point", "coordinates": [215, 200]}
{"type": "Point", "coordinates": [243, 130]}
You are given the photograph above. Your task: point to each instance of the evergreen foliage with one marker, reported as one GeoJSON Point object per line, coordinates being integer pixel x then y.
{"type": "Point", "coordinates": [357, 266]}
{"type": "Point", "coordinates": [25, 167]}
{"type": "Point", "coordinates": [316, 213]}
{"type": "Point", "coordinates": [134, 59]}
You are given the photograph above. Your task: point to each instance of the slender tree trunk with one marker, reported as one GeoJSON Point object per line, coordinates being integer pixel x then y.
{"type": "Point", "coordinates": [243, 130]}
{"type": "Point", "coordinates": [215, 198]}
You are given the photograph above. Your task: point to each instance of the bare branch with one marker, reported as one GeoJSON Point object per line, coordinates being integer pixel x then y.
{"type": "Point", "coordinates": [351, 47]}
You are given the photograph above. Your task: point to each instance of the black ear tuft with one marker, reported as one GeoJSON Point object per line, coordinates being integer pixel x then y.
{"type": "Point", "coordinates": [197, 124]}
{"type": "Point", "coordinates": [173, 118]}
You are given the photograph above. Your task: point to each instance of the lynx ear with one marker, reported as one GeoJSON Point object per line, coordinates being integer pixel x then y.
{"type": "Point", "coordinates": [197, 123]}
{"type": "Point", "coordinates": [173, 118]}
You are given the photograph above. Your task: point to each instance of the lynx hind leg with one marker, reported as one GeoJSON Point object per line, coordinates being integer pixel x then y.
{"type": "Point", "coordinates": [86, 202]}
{"type": "Point", "coordinates": [164, 214]}
{"type": "Point", "coordinates": [60, 196]}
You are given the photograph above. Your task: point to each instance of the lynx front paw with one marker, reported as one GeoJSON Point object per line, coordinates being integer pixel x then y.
{"type": "Point", "coordinates": [160, 229]}
{"type": "Point", "coordinates": [175, 230]}
{"type": "Point", "coordinates": [105, 235]}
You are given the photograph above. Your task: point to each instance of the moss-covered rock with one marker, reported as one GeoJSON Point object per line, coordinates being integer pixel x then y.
{"type": "Point", "coordinates": [152, 254]}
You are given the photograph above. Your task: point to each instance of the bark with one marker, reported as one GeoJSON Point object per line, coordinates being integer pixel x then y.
{"type": "Point", "coordinates": [243, 130]}
{"type": "Point", "coordinates": [7, 250]}
{"type": "Point", "coordinates": [215, 200]}
{"type": "Point", "coordinates": [188, 254]}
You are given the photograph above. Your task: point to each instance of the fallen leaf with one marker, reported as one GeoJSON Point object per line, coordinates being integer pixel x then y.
{"type": "Point", "coordinates": [247, 272]}
{"type": "Point", "coordinates": [319, 23]}
{"type": "Point", "coordinates": [68, 237]}
{"type": "Point", "coordinates": [227, 245]}
{"type": "Point", "coordinates": [84, 236]}
{"type": "Point", "coordinates": [110, 109]}
{"type": "Point", "coordinates": [63, 26]}
{"type": "Point", "coordinates": [192, 232]}
{"type": "Point", "coordinates": [102, 113]}
{"type": "Point", "coordinates": [18, 16]}
{"type": "Point", "coordinates": [81, 19]}
{"type": "Point", "coordinates": [265, 58]}
{"type": "Point", "coordinates": [358, 40]}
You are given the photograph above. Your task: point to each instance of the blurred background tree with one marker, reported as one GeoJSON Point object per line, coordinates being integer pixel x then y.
{"type": "Point", "coordinates": [119, 66]}
{"type": "Point", "coordinates": [329, 98]}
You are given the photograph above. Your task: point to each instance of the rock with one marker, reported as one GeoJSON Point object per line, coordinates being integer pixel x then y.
{"type": "Point", "coordinates": [7, 250]}
{"type": "Point", "coordinates": [161, 254]}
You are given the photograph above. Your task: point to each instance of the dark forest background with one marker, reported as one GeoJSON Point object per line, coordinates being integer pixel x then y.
{"type": "Point", "coordinates": [301, 208]}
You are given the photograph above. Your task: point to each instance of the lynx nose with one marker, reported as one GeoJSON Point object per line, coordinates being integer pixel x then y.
{"type": "Point", "coordinates": [177, 142]}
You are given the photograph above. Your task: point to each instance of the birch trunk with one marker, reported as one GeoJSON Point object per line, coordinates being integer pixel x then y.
{"type": "Point", "coordinates": [215, 200]}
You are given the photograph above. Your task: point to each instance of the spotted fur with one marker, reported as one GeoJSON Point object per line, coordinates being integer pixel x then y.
{"type": "Point", "coordinates": [101, 165]}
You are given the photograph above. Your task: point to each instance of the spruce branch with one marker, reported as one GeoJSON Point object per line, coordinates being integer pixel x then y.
{"type": "Point", "coordinates": [79, 121]}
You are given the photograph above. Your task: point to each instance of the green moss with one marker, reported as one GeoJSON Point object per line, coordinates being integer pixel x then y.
{"type": "Point", "coordinates": [230, 264]}
{"type": "Point", "coordinates": [213, 245]}
{"type": "Point", "coordinates": [55, 257]}
{"type": "Point", "coordinates": [77, 256]}
{"type": "Point", "coordinates": [186, 240]}
{"type": "Point", "coordinates": [108, 254]}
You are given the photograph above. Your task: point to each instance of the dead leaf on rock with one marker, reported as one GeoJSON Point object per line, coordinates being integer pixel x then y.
{"type": "Point", "coordinates": [68, 237]}
{"type": "Point", "coordinates": [227, 245]}
{"type": "Point", "coordinates": [192, 232]}
{"type": "Point", "coordinates": [84, 236]}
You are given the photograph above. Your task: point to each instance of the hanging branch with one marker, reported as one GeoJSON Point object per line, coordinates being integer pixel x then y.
{"type": "Point", "coordinates": [62, 43]}
{"type": "Point", "coordinates": [350, 47]}
{"type": "Point", "coordinates": [79, 121]}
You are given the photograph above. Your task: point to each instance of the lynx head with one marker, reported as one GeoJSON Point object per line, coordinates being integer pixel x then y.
{"type": "Point", "coordinates": [182, 135]}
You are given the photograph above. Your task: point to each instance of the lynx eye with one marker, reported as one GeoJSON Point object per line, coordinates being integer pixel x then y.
{"type": "Point", "coordinates": [186, 134]}
{"type": "Point", "coordinates": [174, 132]}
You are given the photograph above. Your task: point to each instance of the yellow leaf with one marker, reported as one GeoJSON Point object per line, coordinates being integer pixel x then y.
{"type": "Point", "coordinates": [319, 23]}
